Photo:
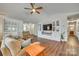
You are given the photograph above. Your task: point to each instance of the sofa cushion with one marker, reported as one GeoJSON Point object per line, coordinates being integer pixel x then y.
{"type": "Point", "coordinates": [26, 42]}
{"type": "Point", "coordinates": [13, 45]}
{"type": "Point", "coordinates": [5, 51]}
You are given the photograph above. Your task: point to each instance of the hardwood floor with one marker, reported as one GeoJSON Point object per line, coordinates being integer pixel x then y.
{"type": "Point", "coordinates": [54, 48]}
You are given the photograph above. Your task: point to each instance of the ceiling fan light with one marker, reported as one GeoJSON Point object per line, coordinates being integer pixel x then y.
{"type": "Point", "coordinates": [33, 10]}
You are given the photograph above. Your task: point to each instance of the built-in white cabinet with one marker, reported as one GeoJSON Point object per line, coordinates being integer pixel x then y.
{"type": "Point", "coordinates": [13, 27]}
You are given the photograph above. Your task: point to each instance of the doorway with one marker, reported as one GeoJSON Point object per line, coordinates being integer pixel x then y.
{"type": "Point", "coordinates": [72, 41]}
{"type": "Point", "coordinates": [72, 27]}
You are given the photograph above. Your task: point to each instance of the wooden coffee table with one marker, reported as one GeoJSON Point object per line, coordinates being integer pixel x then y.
{"type": "Point", "coordinates": [35, 49]}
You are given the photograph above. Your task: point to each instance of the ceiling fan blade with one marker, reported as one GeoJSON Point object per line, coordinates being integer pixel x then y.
{"type": "Point", "coordinates": [31, 12]}
{"type": "Point", "coordinates": [38, 12]}
{"type": "Point", "coordinates": [39, 8]}
{"type": "Point", "coordinates": [32, 4]}
{"type": "Point", "coordinates": [28, 8]}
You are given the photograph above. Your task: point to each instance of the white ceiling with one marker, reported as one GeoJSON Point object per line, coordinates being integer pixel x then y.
{"type": "Point", "coordinates": [17, 11]}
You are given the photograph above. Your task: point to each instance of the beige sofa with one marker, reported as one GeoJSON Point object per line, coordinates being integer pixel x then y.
{"type": "Point", "coordinates": [11, 47]}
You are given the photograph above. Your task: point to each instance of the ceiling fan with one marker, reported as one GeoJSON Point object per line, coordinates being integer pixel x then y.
{"type": "Point", "coordinates": [34, 9]}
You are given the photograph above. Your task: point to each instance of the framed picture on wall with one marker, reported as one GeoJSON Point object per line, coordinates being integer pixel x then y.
{"type": "Point", "coordinates": [53, 23]}
{"type": "Point", "coordinates": [53, 28]}
{"type": "Point", "coordinates": [57, 23]}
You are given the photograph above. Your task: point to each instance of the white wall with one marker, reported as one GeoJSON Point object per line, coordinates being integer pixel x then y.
{"type": "Point", "coordinates": [13, 23]}
{"type": "Point", "coordinates": [55, 35]}
{"type": "Point", "coordinates": [77, 28]}
{"type": "Point", "coordinates": [1, 27]}
{"type": "Point", "coordinates": [36, 29]}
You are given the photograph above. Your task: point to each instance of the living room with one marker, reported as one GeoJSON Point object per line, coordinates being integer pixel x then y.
{"type": "Point", "coordinates": [48, 30]}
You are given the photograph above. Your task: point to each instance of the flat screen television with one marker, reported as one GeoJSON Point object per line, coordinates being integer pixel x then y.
{"type": "Point", "coordinates": [47, 27]}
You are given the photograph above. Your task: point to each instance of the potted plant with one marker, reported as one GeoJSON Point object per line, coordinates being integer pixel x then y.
{"type": "Point", "coordinates": [62, 36]}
